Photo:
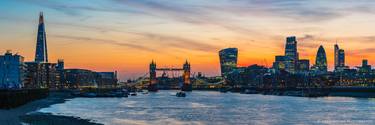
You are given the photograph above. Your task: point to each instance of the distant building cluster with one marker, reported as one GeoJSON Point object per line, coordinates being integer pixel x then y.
{"type": "Point", "coordinates": [289, 70]}
{"type": "Point", "coordinates": [81, 78]}
{"type": "Point", "coordinates": [16, 74]}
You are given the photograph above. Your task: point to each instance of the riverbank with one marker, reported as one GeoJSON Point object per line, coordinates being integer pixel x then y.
{"type": "Point", "coordinates": [49, 119]}
{"type": "Point", "coordinates": [335, 91]}
{"type": "Point", "coordinates": [17, 115]}
{"type": "Point", "coordinates": [12, 98]}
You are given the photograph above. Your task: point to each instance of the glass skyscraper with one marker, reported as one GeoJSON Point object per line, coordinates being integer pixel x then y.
{"type": "Point", "coordinates": [291, 54]}
{"type": "Point", "coordinates": [41, 54]}
{"type": "Point", "coordinates": [339, 58]}
{"type": "Point", "coordinates": [336, 56]}
{"type": "Point", "coordinates": [321, 60]}
{"type": "Point", "coordinates": [228, 60]}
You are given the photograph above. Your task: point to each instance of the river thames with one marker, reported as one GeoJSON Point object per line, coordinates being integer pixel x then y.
{"type": "Point", "coordinates": [215, 108]}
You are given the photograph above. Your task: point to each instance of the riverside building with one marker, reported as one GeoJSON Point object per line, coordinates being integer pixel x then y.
{"type": "Point", "coordinates": [11, 70]}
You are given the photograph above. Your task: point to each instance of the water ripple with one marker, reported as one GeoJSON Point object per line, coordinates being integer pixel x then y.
{"type": "Point", "coordinates": [214, 108]}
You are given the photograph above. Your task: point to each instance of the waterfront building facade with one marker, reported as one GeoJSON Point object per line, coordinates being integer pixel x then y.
{"type": "Point", "coordinates": [11, 70]}
{"type": "Point", "coordinates": [252, 75]}
{"type": "Point", "coordinates": [228, 60]}
{"type": "Point", "coordinates": [80, 78]}
{"type": "Point", "coordinates": [107, 79]}
{"type": "Point", "coordinates": [83, 78]}
{"type": "Point", "coordinates": [41, 75]}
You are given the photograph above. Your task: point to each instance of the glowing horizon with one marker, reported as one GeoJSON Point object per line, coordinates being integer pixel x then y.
{"type": "Point", "coordinates": [125, 35]}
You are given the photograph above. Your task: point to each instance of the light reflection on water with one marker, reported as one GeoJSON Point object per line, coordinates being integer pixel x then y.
{"type": "Point", "coordinates": [204, 107]}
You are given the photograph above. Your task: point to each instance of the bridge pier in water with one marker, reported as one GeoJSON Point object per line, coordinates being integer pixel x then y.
{"type": "Point", "coordinates": [152, 87]}
{"type": "Point", "coordinates": [186, 76]}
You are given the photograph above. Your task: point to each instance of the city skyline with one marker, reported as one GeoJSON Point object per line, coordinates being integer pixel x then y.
{"type": "Point", "coordinates": [124, 40]}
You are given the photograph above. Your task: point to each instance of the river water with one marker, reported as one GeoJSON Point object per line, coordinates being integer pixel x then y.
{"type": "Point", "coordinates": [215, 108]}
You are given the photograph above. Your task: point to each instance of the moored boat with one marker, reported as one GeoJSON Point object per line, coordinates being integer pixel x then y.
{"type": "Point", "coordinates": [133, 94]}
{"type": "Point", "coordinates": [181, 94]}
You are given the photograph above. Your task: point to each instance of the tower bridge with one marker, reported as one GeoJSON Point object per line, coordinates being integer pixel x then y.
{"type": "Point", "coordinates": [153, 82]}
{"type": "Point", "coordinates": [186, 86]}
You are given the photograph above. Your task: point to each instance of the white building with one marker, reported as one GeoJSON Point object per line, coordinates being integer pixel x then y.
{"type": "Point", "coordinates": [11, 70]}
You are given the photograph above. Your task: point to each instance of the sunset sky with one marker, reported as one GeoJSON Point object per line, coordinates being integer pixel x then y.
{"type": "Point", "coordinates": [125, 35]}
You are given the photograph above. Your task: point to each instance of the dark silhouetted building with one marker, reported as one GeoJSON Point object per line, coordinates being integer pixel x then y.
{"type": "Point", "coordinates": [279, 63]}
{"type": "Point", "coordinates": [60, 69]}
{"type": "Point", "coordinates": [228, 60]}
{"type": "Point", "coordinates": [80, 78]}
{"type": "Point", "coordinates": [107, 79]}
{"type": "Point", "coordinates": [252, 75]}
{"type": "Point", "coordinates": [365, 68]}
{"type": "Point", "coordinates": [41, 54]}
{"type": "Point", "coordinates": [291, 54]}
{"type": "Point", "coordinates": [303, 65]}
{"type": "Point", "coordinates": [60, 64]}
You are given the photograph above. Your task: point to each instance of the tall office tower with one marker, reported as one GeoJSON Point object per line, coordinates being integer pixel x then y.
{"type": "Point", "coordinates": [336, 56]}
{"type": "Point", "coordinates": [41, 54]}
{"type": "Point", "coordinates": [228, 60]}
{"type": "Point", "coordinates": [321, 60]}
{"type": "Point", "coordinates": [291, 54]}
{"type": "Point", "coordinates": [341, 58]}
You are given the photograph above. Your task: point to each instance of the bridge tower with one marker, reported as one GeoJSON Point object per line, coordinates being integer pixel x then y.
{"type": "Point", "coordinates": [186, 77]}
{"type": "Point", "coordinates": [153, 85]}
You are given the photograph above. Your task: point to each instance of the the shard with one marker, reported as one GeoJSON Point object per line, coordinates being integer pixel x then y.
{"type": "Point", "coordinates": [41, 54]}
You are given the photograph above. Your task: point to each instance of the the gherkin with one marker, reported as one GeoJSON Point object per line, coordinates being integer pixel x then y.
{"type": "Point", "coordinates": [321, 59]}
